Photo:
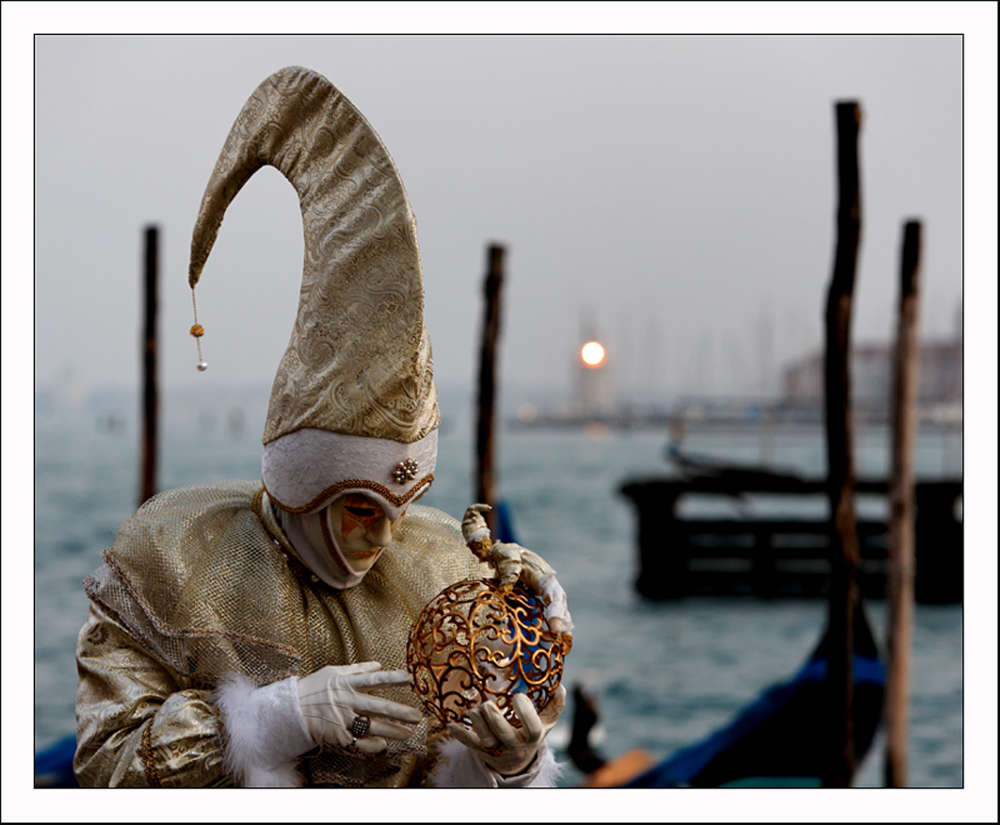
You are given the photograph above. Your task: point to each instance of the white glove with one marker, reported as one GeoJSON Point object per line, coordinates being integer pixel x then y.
{"type": "Point", "coordinates": [331, 701]}
{"type": "Point", "coordinates": [508, 750]}
{"type": "Point", "coordinates": [512, 562]}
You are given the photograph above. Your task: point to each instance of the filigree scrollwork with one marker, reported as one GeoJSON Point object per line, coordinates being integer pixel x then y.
{"type": "Point", "coordinates": [473, 643]}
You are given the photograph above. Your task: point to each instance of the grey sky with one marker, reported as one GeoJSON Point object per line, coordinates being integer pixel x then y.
{"type": "Point", "coordinates": [678, 192]}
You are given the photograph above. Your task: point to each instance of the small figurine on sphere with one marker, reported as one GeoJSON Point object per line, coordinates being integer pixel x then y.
{"type": "Point", "coordinates": [254, 633]}
{"type": "Point", "coordinates": [513, 563]}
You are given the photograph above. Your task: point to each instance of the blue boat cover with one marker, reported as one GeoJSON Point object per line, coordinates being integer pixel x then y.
{"type": "Point", "coordinates": [684, 767]}
{"type": "Point", "coordinates": [54, 764]}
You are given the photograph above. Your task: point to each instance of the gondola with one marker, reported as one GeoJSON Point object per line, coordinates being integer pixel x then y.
{"type": "Point", "coordinates": [776, 741]}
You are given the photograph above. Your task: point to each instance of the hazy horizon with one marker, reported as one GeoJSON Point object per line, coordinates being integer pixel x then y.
{"type": "Point", "coordinates": [675, 195]}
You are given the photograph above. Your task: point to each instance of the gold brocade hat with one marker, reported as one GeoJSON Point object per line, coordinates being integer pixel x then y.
{"type": "Point", "coordinates": [353, 407]}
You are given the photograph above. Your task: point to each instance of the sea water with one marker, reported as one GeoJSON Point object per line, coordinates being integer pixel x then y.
{"type": "Point", "coordinates": [664, 674]}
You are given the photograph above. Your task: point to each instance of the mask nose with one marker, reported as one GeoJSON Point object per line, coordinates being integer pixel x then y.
{"type": "Point", "coordinates": [381, 533]}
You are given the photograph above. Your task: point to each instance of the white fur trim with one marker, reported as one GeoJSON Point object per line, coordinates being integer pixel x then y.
{"type": "Point", "coordinates": [479, 535]}
{"type": "Point", "coordinates": [265, 732]}
{"type": "Point", "coordinates": [298, 467]}
{"type": "Point", "coordinates": [460, 767]}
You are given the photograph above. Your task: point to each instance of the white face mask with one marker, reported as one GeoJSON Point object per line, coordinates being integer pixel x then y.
{"type": "Point", "coordinates": [341, 542]}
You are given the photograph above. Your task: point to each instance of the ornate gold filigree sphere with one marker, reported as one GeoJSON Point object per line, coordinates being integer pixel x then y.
{"type": "Point", "coordinates": [473, 643]}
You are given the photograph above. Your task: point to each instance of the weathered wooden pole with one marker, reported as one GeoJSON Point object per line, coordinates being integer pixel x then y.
{"type": "Point", "coordinates": [486, 402]}
{"type": "Point", "coordinates": [902, 517]}
{"type": "Point", "coordinates": [844, 552]}
{"type": "Point", "coordinates": [150, 396]}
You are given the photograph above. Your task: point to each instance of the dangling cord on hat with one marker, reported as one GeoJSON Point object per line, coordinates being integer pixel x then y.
{"type": "Point", "coordinates": [197, 331]}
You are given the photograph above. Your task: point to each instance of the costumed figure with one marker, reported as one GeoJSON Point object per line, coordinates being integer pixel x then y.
{"type": "Point", "coordinates": [254, 633]}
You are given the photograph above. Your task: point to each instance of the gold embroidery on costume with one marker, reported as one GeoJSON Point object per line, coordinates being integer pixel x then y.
{"type": "Point", "coordinates": [148, 764]}
{"type": "Point", "coordinates": [257, 504]}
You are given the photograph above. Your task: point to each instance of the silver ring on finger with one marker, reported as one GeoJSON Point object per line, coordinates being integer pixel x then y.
{"type": "Point", "coordinates": [360, 727]}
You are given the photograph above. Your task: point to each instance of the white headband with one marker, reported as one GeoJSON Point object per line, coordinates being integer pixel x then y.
{"type": "Point", "coordinates": [305, 470]}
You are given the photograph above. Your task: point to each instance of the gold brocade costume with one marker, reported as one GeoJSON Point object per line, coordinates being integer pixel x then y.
{"type": "Point", "coordinates": [202, 584]}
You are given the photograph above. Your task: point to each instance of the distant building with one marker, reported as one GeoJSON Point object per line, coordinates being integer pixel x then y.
{"type": "Point", "coordinates": [939, 388]}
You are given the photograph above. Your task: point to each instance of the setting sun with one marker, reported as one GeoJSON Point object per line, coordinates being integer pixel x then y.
{"type": "Point", "coordinates": [592, 354]}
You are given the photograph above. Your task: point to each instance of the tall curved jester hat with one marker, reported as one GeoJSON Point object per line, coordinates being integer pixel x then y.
{"type": "Point", "coordinates": [353, 407]}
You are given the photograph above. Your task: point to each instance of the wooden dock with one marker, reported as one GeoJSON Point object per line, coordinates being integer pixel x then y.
{"type": "Point", "coordinates": [782, 557]}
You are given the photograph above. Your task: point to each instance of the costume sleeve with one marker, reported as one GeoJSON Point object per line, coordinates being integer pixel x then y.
{"type": "Point", "coordinates": [136, 725]}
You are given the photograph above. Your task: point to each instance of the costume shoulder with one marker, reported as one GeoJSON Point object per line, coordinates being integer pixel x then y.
{"type": "Point", "coordinates": [430, 544]}
{"type": "Point", "coordinates": [184, 576]}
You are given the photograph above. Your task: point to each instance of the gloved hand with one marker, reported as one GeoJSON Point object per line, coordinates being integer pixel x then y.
{"type": "Point", "coordinates": [512, 562]}
{"type": "Point", "coordinates": [506, 749]}
{"type": "Point", "coordinates": [330, 701]}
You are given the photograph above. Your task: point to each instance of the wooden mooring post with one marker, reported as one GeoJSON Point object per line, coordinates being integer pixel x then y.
{"type": "Point", "coordinates": [486, 401]}
{"type": "Point", "coordinates": [150, 391]}
{"type": "Point", "coordinates": [901, 533]}
{"type": "Point", "coordinates": [845, 558]}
